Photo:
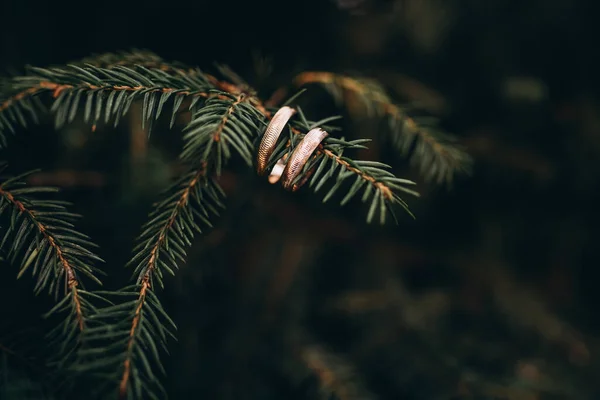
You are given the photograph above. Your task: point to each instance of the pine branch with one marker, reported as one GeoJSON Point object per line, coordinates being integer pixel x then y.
{"type": "Point", "coordinates": [379, 186]}
{"type": "Point", "coordinates": [107, 94]}
{"type": "Point", "coordinates": [148, 59]}
{"type": "Point", "coordinates": [121, 342]}
{"type": "Point", "coordinates": [222, 124]}
{"type": "Point", "coordinates": [41, 236]}
{"type": "Point", "coordinates": [128, 335]}
{"type": "Point", "coordinates": [434, 152]}
{"type": "Point", "coordinates": [103, 94]}
{"type": "Point", "coordinates": [15, 107]}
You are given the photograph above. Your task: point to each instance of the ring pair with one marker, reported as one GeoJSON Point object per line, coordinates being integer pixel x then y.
{"type": "Point", "coordinates": [288, 169]}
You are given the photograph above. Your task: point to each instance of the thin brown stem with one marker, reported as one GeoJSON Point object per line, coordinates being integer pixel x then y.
{"type": "Point", "coordinates": [72, 280]}
{"type": "Point", "coordinates": [387, 108]}
{"type": "Point", "coordinates": [58, 88]}
{"type": "Point", "coordinates": [385, 190]}
{"type": "Point", "coordinates": [146, 277]}
{"type": "Point", "coordinates": [219, 130]}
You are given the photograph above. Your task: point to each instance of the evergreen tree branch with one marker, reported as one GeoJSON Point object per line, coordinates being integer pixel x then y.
{"type": "Point", "coordinates": [379, 186]}
{"type": "Point", "coordinates": [48, 222]}
{"type": "Point", "coordinates": [42, 235]}
{"type": "Point", "coordinates": [13, 108]}
{"type": "Point", "coordinates": [222, 124]}
{"type": "Point", "coordinates": [434, 152]}
{"type": "Point", "coordinates": [103, 94]}
{"type": "Point", "coordinates": [129, 334]}
{"type": "Point", "coordinates": [106, 94]}
{"type": "Point", "coordinates": [123, 341]}
{"type": "Point", "coordinates": [147, 59]}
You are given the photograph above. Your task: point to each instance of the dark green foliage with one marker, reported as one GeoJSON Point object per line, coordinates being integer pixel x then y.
{"type": "Point", "coordinates": [220, 125]}
{"type": "Point", "coordinates": [39, 235]}
{"type": "Point", "coordinates": [372, 180]}
{"type": "Point", "coordinates": [190, 202]}
{"type": "Point", "coordinates": [125, 338]}
{"type": "Point", "coordinates": [118, 335]}
{"type": "Point", "coordinates": [379, 187]}
{"type": "Point", "coordinates": [121, 346]}
{"type": "Point", "coordinates": [18, 110]}
{"type": "Point", "coordinates": [105, 94]}
{"type": "Point", "coordinates": [434, 152]}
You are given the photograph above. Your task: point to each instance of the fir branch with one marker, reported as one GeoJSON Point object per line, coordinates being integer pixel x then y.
{"type": "Point", "coordinates": [41, 235]}
{"type": "Point", "coordinates": [103, 94]}
{"type": "Point", "coordinates": [148, 59]}
{"type": "Point", "coordinates": [379, 186]}
{"type": "Point", "coordinates": [122, 341]}
{"type": "Point", "coordinates": [434, 152]}
{"type": "Point", "coordinates": [14, 108]}
{"type": "Point", "coordinates": [172, 223]}
{"type": "Point", "coordinates": [128, 335]}
{"type": "Point", "coordinates": [222, 124]}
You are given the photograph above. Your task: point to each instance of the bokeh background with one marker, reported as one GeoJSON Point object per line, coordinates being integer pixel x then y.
{"type": "Point", "coordinates": [491, 293]}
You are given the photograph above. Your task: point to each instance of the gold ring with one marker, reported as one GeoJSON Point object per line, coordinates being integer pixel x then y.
{"type": "Point", "coordinates": [277, 170]}
{"type": "Point", "coordinates": [269, 139]}
{"type": "Point", "coordinates": [300, 156]}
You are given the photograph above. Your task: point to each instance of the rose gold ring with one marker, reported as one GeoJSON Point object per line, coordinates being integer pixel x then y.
{"type": "Point", "coordinates": [300, 157]}
{"type": "Point", "coordinates": [277, 170]}
{"type": "Point", "coordinates": [269, 139]}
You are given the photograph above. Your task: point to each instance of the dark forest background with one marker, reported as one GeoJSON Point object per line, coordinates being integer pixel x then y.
{"type": "Point", "coordinates": [491, 293]}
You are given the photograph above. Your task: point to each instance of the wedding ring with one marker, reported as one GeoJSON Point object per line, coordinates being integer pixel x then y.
{"type": "Point", "coordinates": [277, 170]}
{"type": "Point", "coordinates": [269, 139]}
{"type": "Point", "coordinates": [300, 156]}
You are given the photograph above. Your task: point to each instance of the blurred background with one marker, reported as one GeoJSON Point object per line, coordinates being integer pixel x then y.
{"type": "Point", "coordinates": [490, 293]}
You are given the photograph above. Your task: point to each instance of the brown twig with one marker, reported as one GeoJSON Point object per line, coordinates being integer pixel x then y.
{"type": "Point", "coordinates": [217, 135]}
{"type": "Point", "coordinates": [42, 86]}
{"type": "Point", "coordinates": [386, 107]}
{"type": "Point", "coordinates": [145, 279]}
{"type": "Point", "coordinates": [58, 88]}
{"type": "Point", "coordinates": [385, 190]}
{"type": "Point", "coordinates": [71, 276]}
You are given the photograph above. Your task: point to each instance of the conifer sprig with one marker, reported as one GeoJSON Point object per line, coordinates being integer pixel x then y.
{"type": "Point", "coordinates": [434, 152]}
{"type": "Point", "coordinates": [42, 238]}
{"type": "Point", "coordinates": [102, 94]}
{"type": "Point", "coordinates": [222, 124]}
{"type": "Point", "coordinates": [122, 342]}
{"type": "Point", "coordinates": [377, 185]}
{"type": "Point", "coordinates": [18, 107]}
{"type": "Point", "coordinates": [128, 335]}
